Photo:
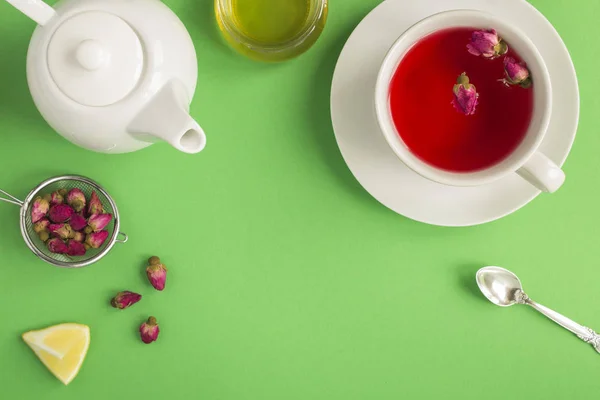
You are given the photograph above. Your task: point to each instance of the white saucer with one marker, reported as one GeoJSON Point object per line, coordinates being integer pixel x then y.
{"type": "Point", "coordinates": [378, 169]}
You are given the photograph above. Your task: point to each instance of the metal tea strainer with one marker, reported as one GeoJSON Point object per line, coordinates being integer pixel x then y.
{"type": "Point", "coordinates": [68, 182]}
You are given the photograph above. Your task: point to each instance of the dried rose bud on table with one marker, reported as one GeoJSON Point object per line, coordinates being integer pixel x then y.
{"type": "Point", "coordinates": [125, 299]}
{"type": "Point", "coordinates": [157, 273]}
{"type": "Point", "coordinates": [149, 330]}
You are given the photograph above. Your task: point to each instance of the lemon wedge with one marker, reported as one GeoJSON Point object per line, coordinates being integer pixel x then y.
{"type": "Point", "coordinates": [62, 348]}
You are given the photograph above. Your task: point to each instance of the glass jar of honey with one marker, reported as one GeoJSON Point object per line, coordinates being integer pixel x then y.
{"type": "Point", "coordinates": [271, 30]}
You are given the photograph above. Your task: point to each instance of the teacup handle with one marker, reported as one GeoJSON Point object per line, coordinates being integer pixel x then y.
{"type": "Point", "coordinates": [542, 173]}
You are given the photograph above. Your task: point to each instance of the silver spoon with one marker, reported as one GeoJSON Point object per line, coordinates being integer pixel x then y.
{"type": "Point", "coordinates": [504, 289]}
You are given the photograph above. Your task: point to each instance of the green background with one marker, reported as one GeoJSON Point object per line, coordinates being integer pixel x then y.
{"type": "Point", "coordinates": [287, 280]}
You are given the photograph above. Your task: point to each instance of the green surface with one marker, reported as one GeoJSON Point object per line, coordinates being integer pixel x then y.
{"type": "Point", "coordinates": [287, 280]}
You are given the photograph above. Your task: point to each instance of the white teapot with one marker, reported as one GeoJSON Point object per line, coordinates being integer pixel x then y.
{"type": "Point", "coordinates": [113, 76]}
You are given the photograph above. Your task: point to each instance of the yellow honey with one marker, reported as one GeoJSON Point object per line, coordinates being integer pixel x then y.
{"type": "Point", "coordinates": [271, 30]}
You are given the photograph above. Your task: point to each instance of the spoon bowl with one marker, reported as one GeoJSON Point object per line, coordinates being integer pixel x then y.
{"type": "Point", "coordinates": [498, 285]}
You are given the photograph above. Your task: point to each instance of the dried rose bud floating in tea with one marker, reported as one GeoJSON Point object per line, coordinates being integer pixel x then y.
{"type": "Point", "coordinates": [466, 97]}
{"type": "Point", "coordinates": [487, 43]}
{"type": "Point", "coordinates": [421, 98]}
{"type": "Point", "coordinates": [516, 73]}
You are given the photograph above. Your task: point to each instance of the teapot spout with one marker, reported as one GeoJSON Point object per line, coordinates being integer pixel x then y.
{"type": "Point", "coordinates": [166, 117]}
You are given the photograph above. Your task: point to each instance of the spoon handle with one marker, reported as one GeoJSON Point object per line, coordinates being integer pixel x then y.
{"type": "Point", "coordinates": [584, 333]}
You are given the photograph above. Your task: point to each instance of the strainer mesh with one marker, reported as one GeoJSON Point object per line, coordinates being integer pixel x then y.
{"type": "Point", "coordinates": [87, 189]}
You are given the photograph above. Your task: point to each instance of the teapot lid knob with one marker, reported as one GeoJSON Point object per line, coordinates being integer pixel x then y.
{"type": "Point", "coordinates": [95, 58]}
{"type": "Point", "coordinates": [91, 55]}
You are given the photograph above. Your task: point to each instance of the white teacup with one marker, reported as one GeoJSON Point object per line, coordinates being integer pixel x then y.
{"type": "Point", "coordinates": [526, 160]}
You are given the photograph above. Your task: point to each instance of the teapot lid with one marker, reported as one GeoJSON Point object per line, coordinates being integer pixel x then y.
{"type": "Point", "coordinates": [95, 58]}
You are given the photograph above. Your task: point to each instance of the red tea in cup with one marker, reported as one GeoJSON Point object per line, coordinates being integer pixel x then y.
{"type": "Point", "coordinates": [420, 96]}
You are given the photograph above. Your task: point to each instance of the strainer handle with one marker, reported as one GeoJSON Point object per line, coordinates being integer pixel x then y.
{"type": "Point", "coordinates": [11, 199]}
{"type": "Point", "coordinates": [122, 238]}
